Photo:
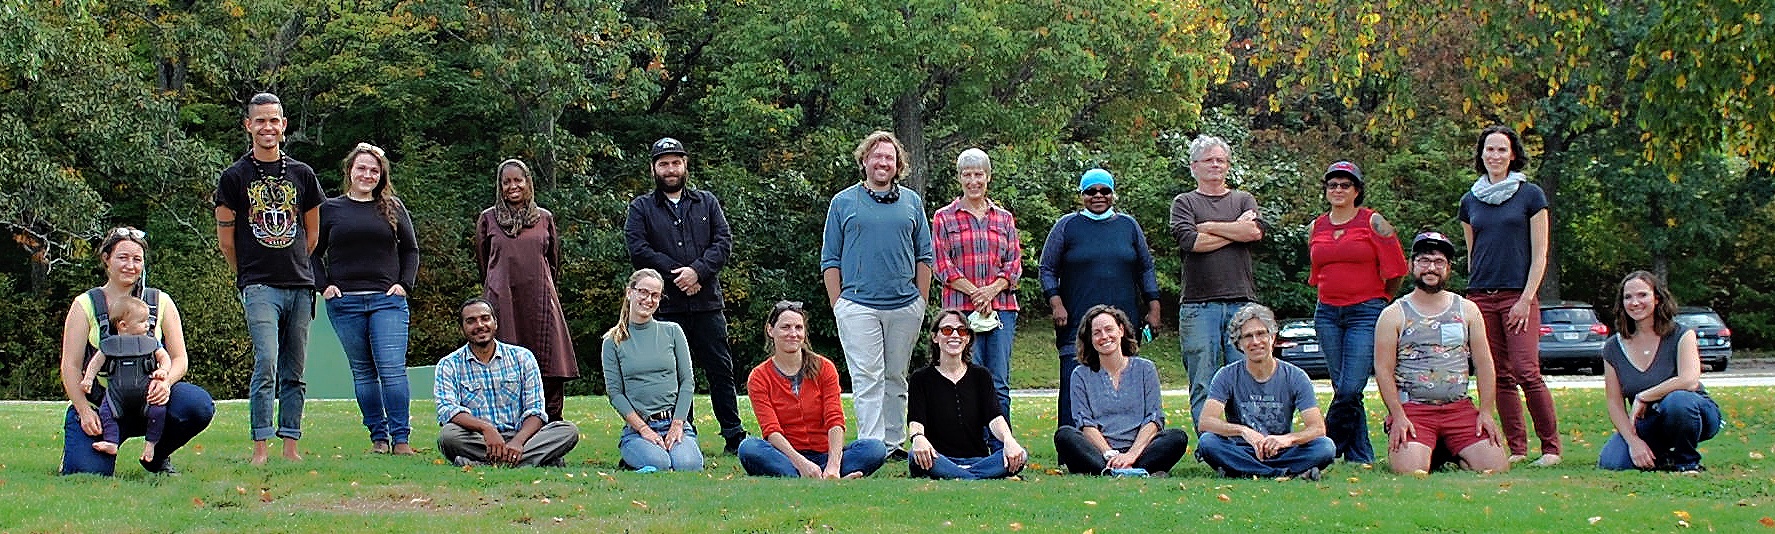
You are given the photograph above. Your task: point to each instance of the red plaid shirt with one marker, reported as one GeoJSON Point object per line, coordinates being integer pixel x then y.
{"type": "Point", "coordinates": [981, 250]}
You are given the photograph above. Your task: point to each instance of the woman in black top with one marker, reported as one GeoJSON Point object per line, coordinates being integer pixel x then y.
{"type": "Point", "coordinates": [1652, 372]}
{"type": "Point", "coordinates": [364, 264]}
{"type": "Point", "coordinates": [951, 406]}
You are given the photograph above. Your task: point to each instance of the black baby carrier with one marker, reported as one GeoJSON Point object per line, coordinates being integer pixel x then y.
{"type": "Point", "coordinates": [129, 361]}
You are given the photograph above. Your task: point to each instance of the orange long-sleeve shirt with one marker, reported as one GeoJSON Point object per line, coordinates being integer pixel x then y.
{"type": "Point", "coordinates": [802, 419]}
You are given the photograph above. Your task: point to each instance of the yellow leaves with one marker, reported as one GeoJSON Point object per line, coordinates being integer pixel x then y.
{"type": "Point", "coordinates": [1682, 518]}
{"type": "Point", "coordinates": [1371, 19]}
{"type": "Point", "coordinates": [1666, 55]}
{"type": "Point", "coordinates": [1224, 498]}
{"type": "Point", "coordinates": [1682, 80]}
{"type": "Point", "coordinates": [1306, 32]}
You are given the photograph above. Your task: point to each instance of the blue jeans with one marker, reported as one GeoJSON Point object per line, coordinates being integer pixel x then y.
{"type": "Point", "coordinates": [188, 412]}
{"type": "Point", "coordinates": [1238, 458]}
{"type": "Point", "coordinates": [1069, 358]}
{"type": "Point", "coordinates": [1206, 346]}
{"type": "Point", "coordinates": [277, 321]}
{"type": "Point", "coordinates": [638, 453]}
{"type": "Point", "coordinates": [992, 350]}
{"type": "Point", "coordinates": [1674, 428]}
{"type": "Point", "coordinates": [1346, 336]}
{"type": "Point", "coordinates": [373, 330]}
{"type": "Point", "coordinates": [986, 467]}
{"type": "Point", "coordinates": [760, 458]}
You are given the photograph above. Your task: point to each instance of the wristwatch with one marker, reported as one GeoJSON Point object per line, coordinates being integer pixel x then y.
{"type": "Point", "coordinates": [1112, 453]}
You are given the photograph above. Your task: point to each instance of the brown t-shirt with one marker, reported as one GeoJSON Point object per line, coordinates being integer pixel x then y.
{"type": "Point", "coordinates": [1224, 273]}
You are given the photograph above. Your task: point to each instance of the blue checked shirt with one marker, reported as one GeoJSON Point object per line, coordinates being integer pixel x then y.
{"type": "Point", "coordinates": [502, 391]}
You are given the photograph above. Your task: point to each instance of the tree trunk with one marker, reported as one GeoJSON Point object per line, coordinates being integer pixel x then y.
{"type": "Point", "coordinates": [1554, 142]}
{"type": "Point", "coordinates": [909, 127]}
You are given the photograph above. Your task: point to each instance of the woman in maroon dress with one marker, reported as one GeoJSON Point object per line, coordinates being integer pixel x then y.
{"type": "Point", "coordinates": [519, 253]}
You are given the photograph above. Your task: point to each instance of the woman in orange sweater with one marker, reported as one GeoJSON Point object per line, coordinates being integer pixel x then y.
{"type": "Point", "coordinates": [795, 396]}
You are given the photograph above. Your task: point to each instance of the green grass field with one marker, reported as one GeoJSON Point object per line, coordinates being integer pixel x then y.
{"type": "Point", "coordinates": [342, 487]}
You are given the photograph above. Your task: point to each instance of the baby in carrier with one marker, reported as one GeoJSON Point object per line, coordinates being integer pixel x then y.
{"type": "Point", "coordinates": [131, 358]}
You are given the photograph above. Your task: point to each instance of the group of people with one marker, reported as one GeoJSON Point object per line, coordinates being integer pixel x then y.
{"type": "Point", "coordinates": [499, 397]}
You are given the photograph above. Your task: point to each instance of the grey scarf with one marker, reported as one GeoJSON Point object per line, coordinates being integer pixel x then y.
{"type": "Point", "coordinates": [1497, 193]}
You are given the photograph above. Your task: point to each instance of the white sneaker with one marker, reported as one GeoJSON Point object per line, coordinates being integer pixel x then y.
{"type": "Point", "coordinates": [1517, 458]}
{"type": "Point", "coordinates": [1547, 460]}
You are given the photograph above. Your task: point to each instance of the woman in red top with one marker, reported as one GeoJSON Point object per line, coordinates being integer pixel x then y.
{"type": "Point", "coordinates": [1358, 265]}
{"type": "Point", "coordinates": [795, 396]}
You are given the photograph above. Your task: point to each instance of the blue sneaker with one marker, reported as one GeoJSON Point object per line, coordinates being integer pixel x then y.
{"type": "Point", "coordinates": [1128, 472]}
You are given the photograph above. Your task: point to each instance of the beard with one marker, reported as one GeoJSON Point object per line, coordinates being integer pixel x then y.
{"type": "Point", "coordinates": [659, 184]}
{"type": "Point", "coordinates": [1431, 288]}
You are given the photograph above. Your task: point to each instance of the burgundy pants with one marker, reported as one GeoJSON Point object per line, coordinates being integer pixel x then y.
{"type": "Point", "coordinates": [1517, 358]}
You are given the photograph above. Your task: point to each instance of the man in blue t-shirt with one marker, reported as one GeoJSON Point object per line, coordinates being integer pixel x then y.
{"type": "Point", "coordinates": [876, 259]}
{"type": "Point", "coordinates": [267, 224]}
{"type": "Point", "coordinates": [1248, 420]}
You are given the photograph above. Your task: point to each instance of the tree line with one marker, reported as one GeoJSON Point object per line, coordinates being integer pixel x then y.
{"type": "Point", "coordinates": [1649, 125]}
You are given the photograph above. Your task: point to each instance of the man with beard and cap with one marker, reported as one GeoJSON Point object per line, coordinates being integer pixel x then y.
{"type": "Point", "coordinates": [484, 418]}
{"type": "Point", "coordinates": [1424, 345]}
{"type": "Point", "coordinates": [683, 234]}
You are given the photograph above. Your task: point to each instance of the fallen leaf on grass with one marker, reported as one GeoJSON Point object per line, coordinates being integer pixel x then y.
{"type": "Point", "coordinates": [264, 496]}
{"type": "Point", "coordinates": [1754, 455]}
{"type": "Point", "coordinates": [1090, 503]}
{"type": "Point", "coordinates": [545, 500]}
{"type": "Point", "coordinates": [1767, 521]}
{"type": "Point", "coordinates": [1595, 519]}
{"type": "Point", "coordinates": [558, 520]}
{"type": "Point", "coordinates": [241, 490]}
{"type": "Point", "coordinates": [419, 500]}
{"type": "Point", "coordinates": [1354, 480]}
{"type": "Point", "coordinates": [1217, 517]}
{"type": "Point", "coordinates": [1016, 527]}
{"type": "Point", "coordinates": [1682, 515]}
{"type": "Point", "coordinates": [197, 502]}
{"type": "Point", "coordinates": [640, 504]}
{"type": "Point", "coordinates": [1224, 498]}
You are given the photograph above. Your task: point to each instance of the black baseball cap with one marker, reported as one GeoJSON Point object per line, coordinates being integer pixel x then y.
{"type": "Point", "coordinates": [1432, 241]}
{"type": "Point", "coordinates": [667, 145]}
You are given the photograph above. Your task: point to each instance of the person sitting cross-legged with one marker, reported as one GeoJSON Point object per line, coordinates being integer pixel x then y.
{"type": "Point", "coordinates": [1115, 401]}
{"type": "Point", "coordinates": [490, 404]}
{"type": "Point", "coordinates": [1248, 420]}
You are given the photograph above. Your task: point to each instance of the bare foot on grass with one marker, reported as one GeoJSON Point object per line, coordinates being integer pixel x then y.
{"type": "Point", "coordinates": [261, 452]}
{"type": "Point", "coordinates": [290, 452]}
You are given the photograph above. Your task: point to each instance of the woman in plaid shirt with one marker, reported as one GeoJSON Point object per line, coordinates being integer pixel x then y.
{"type": "Point", "coordinates": [979, 260]}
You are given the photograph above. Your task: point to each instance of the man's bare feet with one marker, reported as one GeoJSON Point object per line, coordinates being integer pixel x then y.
{"type": "Point", "coordinates": [261, 452]}
{"type": "Point", "coordinates": [290, 452]}
{"type": "Point", "coordinates": [148, 452]}
{"type": "Point", "coordinates": [404, 449]}
{"type": "Point", "coordinates": [105, 447]}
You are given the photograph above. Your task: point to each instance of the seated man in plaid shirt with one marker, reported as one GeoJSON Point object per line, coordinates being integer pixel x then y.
{"type": "Point", "coordinates": [490, 401]}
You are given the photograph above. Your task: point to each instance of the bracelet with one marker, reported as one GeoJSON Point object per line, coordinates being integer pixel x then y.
{"type": "Point", "coordinates": [914, 435]}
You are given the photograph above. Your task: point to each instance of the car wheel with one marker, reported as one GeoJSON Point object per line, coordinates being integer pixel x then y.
{"type": "Point", "coordinates": [1720, 366]}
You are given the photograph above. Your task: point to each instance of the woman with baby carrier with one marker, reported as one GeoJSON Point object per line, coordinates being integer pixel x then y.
{"type": "Point", "coordinates": [188, 407]}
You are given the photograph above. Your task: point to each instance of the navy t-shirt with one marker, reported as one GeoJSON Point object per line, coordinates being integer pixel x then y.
{"type": "Point", "coordinates": [1268, 406]}
{"type": "Point", "coordinates": [1500, 247]}
{"type": "Point", "coordinates": [269, 200]}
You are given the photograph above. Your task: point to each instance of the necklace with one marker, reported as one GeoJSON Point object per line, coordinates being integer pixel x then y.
{"type": "Point", "coordinates": [283, 165]}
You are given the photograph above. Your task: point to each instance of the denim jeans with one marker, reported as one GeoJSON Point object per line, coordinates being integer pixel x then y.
{"type": "Point", "coordinates": [188, 412]}
{"type": "Point", "coordinates": [1674, 428]}
{"type": "Point", "coordinates": [277, 321]}
{"type": "Point", "coordinates": [373, 330]}
{"type": "Point", "coordinates": [877, 351]}
{"type": "Point", "coordinates": [760, 458]}
{"type": "Point", "coordinates": [1069, 358]}
{"type": "Point", "coordinates": [1346, 338]}
{"type": "Point", "coordinates": [1206, 347]}
{"type": "Point", "coordinates": [1238, 458]}
{"type": "Point", "coordinates": [992, 350]}
{"type": "Point", "coordinates": [986, 467]}
{"type": "Point", "coordinates": [638, 453]}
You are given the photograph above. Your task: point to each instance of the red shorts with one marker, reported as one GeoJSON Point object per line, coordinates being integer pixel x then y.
{"type": "Point", "coordinates": [1444, 428]}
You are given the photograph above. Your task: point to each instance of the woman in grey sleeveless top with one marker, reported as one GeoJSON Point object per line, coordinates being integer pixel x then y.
{"type": "Point", "coordinates": [1652, 375]}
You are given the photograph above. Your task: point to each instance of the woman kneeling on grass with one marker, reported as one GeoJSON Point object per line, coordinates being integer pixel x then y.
{"type": "Point", "coordinates": [647, 375]}
{"type": "Point", "coordinates": [795, 396]}
{"type": "Point", "coordinates": [952, 405]}
{"type": "Point", "coordinates": [1652, 373]}
{"type": "Point", "coordinates": [1115, 402]}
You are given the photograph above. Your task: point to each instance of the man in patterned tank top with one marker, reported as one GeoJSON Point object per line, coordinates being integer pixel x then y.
{"type": "Point", "coordinates": [1424, 345]}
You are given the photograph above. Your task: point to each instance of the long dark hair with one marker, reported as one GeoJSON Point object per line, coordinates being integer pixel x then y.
{"type": "Point", "coordinates": [967, 349]}
{"type": "Point", "coordinates": [119, 235]}
{"type": "Point", "coordinates": [1518, 158]}
{"type": "Point", "coordinates": [1663, 314]}
{"type": "Point", "coordinates": [1088, 356]}
{"type": "Point", "coordinates": [810, 360]}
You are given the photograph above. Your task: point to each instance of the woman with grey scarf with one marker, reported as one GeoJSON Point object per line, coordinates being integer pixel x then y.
{"type": "Point", "coordinates": [1504, 218]}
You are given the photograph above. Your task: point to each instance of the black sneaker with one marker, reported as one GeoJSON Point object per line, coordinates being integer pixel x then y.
{"type": "Point", "coordinates": [160, 467]}
{"type": "Point", "coordinates": [733, 444]}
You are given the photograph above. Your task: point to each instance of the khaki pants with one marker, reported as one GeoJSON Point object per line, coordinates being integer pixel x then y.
{"type": "Point", "coordinates": [545, 448]}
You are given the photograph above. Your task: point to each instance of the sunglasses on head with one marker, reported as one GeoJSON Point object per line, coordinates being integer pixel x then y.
{"type": "Point", "coordinates": [1097, 192]}
{"type": "Point", "coordinates": [128, 232]}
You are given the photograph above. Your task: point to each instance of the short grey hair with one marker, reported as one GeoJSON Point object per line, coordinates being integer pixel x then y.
{"type": "Point", "coordinates": [1245, 315]}
{"type": "Point", "coordinates": [973, 158]}
{"type": "Point", "coordinates": [1201, 144]}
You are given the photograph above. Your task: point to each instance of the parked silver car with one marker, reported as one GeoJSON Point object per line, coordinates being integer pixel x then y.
{"type": "Point", "coordinates": [1711, 334]}
{"type": "Point", "coordinates": [1571, 336]}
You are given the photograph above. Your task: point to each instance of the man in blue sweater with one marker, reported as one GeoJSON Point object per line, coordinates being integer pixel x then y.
{"type": "Point", "coordinates": [876, 259]}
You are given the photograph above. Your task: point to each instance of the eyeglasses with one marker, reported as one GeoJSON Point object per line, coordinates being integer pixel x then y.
{"type": "Point", "coordinates": [128, 232]}
{"type": "Point", "coordinates": [1214, 161]}
{"type": "Point", "coordinates": [647, 294]}
{"type": "Point", "coordinates": [952, 330]}
{"type": "Point", "coordinates": [1097, 192]}
{"type": "Point", "coordinates": [1430, 262]}
{"type": "Point", "coordinates": [1249, 336]}
{"type": "Point", "coordinates": [1339, 185]}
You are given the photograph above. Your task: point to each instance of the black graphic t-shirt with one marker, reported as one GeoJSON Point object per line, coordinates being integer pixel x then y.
{"type": "Point", "coordinates": [269, 199]}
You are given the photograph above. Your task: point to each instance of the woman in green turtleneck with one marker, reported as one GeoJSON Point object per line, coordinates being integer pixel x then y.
{"type": "Point", "coordinates": [647, 376]}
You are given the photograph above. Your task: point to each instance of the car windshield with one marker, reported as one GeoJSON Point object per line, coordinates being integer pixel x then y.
{"type": "Point", "coordinates": [1568, 316]}
{"type": "Point", "coordinates": [1298, 329]}
{"type": "Point", "coordinates": [1698, 320]}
